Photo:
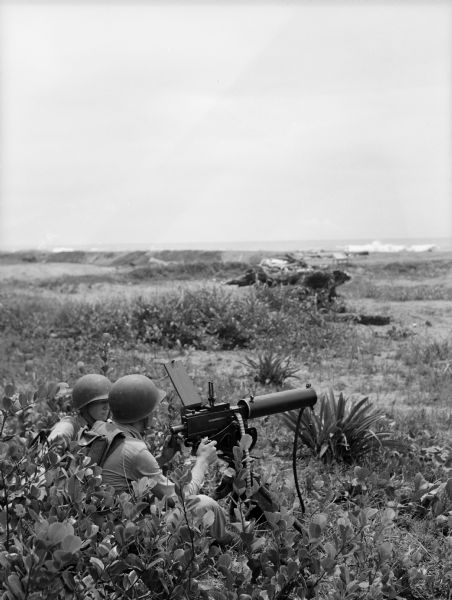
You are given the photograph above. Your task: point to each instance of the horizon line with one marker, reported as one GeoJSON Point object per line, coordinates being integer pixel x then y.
{"type": "Point", "coordinates": [242, 245]}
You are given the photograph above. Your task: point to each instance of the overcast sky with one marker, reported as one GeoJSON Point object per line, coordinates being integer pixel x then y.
{"type": "Point", "coordinates": [209, 122]}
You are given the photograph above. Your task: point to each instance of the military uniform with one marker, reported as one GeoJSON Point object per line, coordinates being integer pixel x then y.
{"type": "Point", "coordinates": [131, 460]}
{"type": "Point", "coordinates": [66, 430]}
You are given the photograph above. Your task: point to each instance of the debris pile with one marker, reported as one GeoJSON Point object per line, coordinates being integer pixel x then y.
{"type": "Point", "coordinates": [292, 270]}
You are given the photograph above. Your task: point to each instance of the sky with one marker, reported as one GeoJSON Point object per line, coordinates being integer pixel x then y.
{"type": "Point", "coordinates": [172, 123]}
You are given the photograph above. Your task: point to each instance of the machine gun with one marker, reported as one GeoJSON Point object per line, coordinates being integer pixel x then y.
{"type": "Point", "coordinates": [227, 423]}
{"type": "Point", "coordinates": [222, 422]}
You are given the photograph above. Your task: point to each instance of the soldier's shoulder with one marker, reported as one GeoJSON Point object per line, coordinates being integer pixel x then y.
{"type": "Point", "coordinates": [105, 428]}
{"type": "Point", "coordinates": [67, 421]}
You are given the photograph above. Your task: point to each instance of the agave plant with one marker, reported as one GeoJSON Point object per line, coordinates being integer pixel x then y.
{"type": "Point", "coordinates": [341, 430]}
{"type": "Point", "coordinates": [271, 368]}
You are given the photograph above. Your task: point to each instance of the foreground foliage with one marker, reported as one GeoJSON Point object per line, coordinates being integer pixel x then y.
{"type": "Point", "coordinates": [63, 534]}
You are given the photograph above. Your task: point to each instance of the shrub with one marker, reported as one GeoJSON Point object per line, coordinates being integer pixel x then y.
{"type": "Point", "coordinates": [203, 318]}
{"type": "Point", "coordinates": [341, 431]}
{"type": "Point", "coordinates": [172, 321]}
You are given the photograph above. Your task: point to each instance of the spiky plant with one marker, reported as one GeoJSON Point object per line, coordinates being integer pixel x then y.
{"type": "Point", "coordinates": [341, 430]}
{"type": "Point", "coordinates": [271, 368]}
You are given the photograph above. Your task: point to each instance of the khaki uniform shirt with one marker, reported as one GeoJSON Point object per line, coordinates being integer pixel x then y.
{"type": "Point", "coordinates": [131, 460]}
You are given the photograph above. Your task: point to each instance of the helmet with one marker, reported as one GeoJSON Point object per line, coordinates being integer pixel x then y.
{"type": "Point", "coordinates": [133, 397]}
{"type": "Point", "coordinates": [90, 388]}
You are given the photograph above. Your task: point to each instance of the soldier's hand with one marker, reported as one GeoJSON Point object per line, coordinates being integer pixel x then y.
{"type": "Point", "coordinates": [207, 451]}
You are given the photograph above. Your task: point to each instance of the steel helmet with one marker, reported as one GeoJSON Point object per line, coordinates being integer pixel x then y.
{"type": "Point", "coordinates": [90, 388]}
{"type": "Point", "coordinates": [133, 397]}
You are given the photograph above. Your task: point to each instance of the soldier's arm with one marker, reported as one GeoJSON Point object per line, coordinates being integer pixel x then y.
{"type": "Point", "coordinates": [145, 465]}
{"type": "Point", "coordinates": [63, 432]}
{"type": "Point", "coordinates": [205, 455]}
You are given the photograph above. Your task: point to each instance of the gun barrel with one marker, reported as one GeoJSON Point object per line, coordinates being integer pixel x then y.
{"type": "Point", "coordinates": [268, 404]}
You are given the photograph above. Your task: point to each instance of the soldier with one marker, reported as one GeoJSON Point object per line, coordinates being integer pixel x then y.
{"type": "Point", "coordinates": [132, 400]}
{"type": "Point", "coordinates": [90, 400]}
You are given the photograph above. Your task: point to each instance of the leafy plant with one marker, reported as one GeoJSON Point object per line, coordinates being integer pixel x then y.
{"type": "Point", "coordinates": [271, 368]}
{"type": "Point", "coordinates": [63, 533]}
{"type": "Point", "coordinates": [341, 431]}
